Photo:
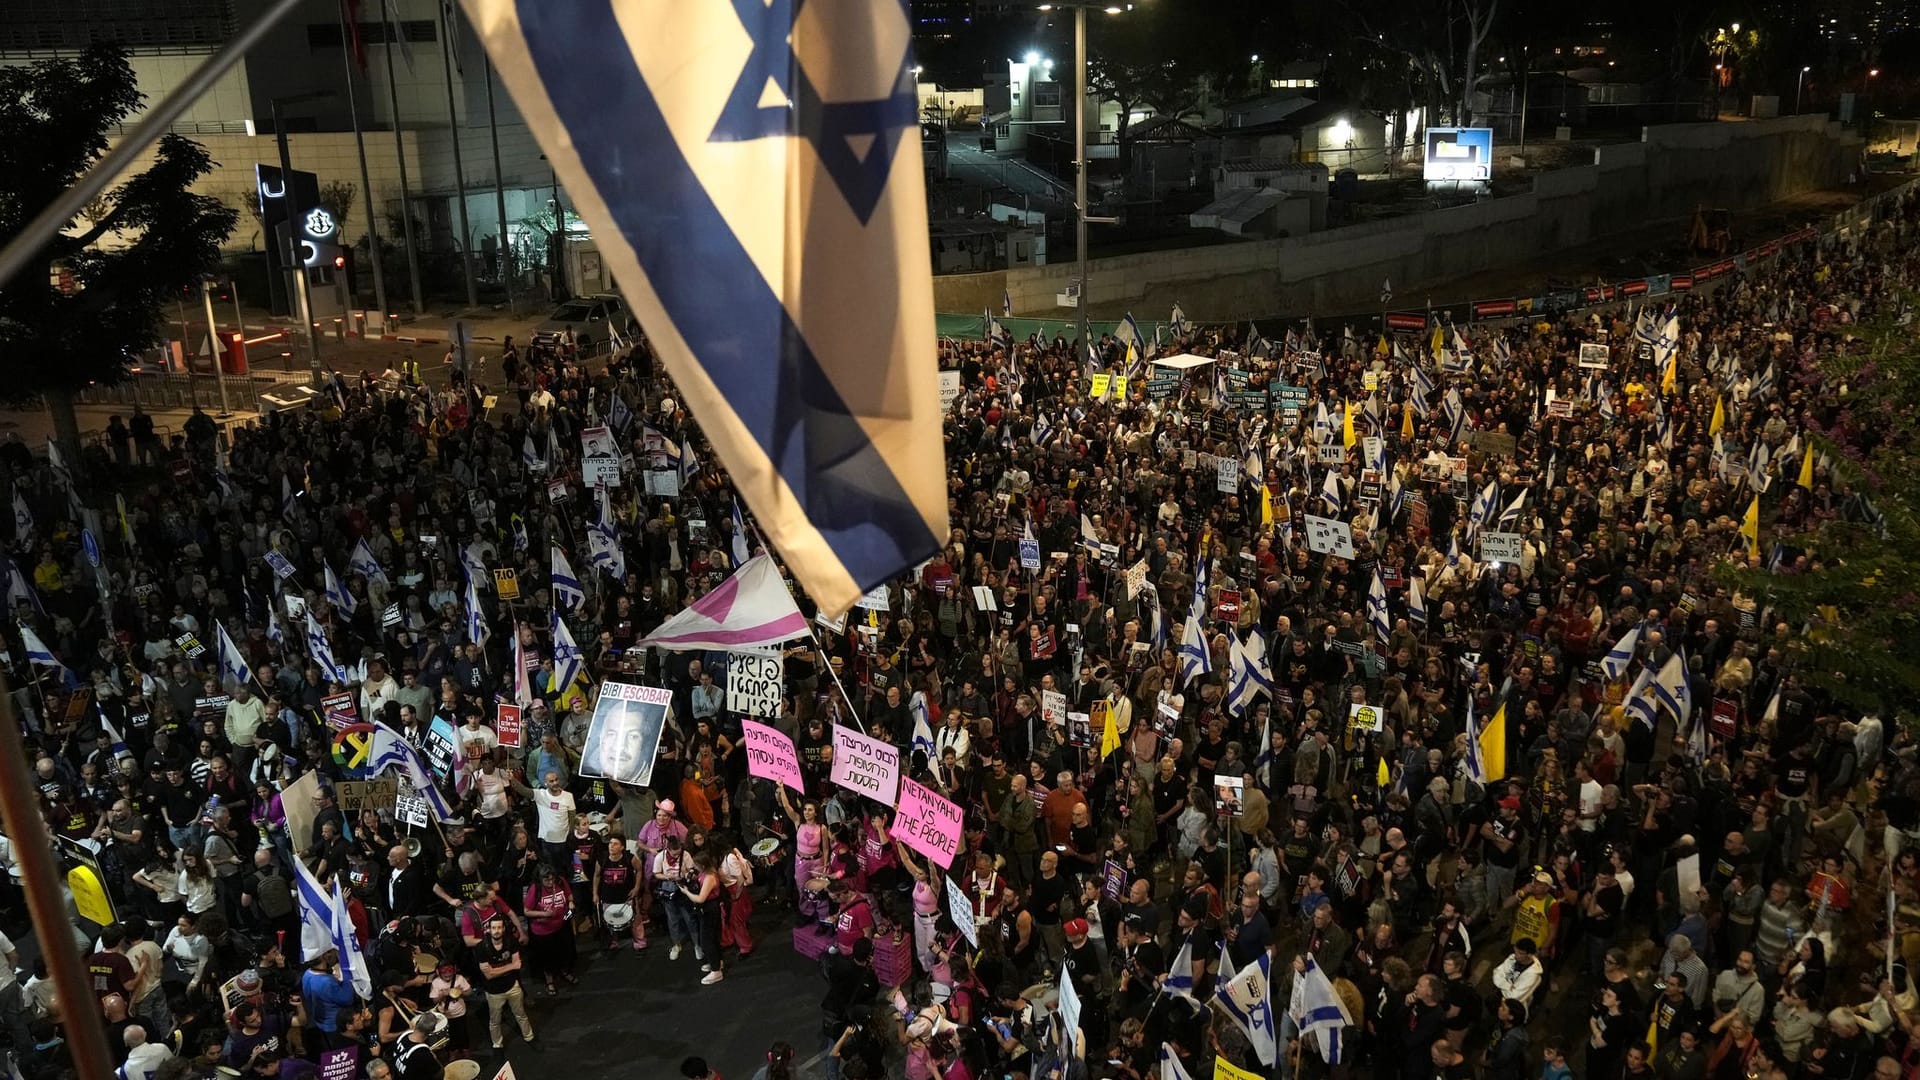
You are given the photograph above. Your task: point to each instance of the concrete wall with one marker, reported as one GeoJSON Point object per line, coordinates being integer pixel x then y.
{"type": "Point", "coordinates": [1672, 169]}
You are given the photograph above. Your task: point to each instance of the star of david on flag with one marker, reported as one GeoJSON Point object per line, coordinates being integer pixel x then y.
{"type": "Point", "coordinates": [761, 195]}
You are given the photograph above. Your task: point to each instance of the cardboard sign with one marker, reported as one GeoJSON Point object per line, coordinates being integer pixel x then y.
{"type": "Point", "coordinates": [1366, 718]}
{"type": "Point", "coordinates": [928, 824]}
{"type": "Point", "coordinates": [339, 711]}
{"type": "Point", "coordinates": [507, 724]}
{"type": "Point", "coordinates": [754, 684]}
{"type": "Point", "coordinates": [949, 391]}
{"type": "Point", "coordinates": [1593, 355]}
{"type": "Point", "coordinates": [1327, 536]}
{"type": "Point", "coordinates": [357, 795]}
{"type": "Point", "coordinates": [1136, 578]}
{"type": "Point", "coordinates": [506, 583]}
{"type": "Point", "coordinates": [1029, 554]}
{"type": "Point", "coordinates": [624, 737]}
{"type": "Point", "coordinates": [1226, 475]}
{"type": "Point", "coordinates": [1113, 881]}
{"type": "Point", "coordinates": [1053, 707]}
{"type": "Point", "coordinates": [960, 909]}
{"type": "Point", "coordinates": [874, 600]}
{"type": "Point", "coordinates": [770, 755]}
{"type": "Point", "coordinates": [865, 766]}
{"type": "Point", "coordinates": [1501, 547]}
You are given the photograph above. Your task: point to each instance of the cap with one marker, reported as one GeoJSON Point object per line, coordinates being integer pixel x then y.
{"type": "Point", "coordinates": [1075, 927]}
{"type": "Point", "coordinates": [1135, 921]}
{"type": "Point", "coordinates": [1542, 877]}
{"type": "Point", "coordinates": [1510, 803]}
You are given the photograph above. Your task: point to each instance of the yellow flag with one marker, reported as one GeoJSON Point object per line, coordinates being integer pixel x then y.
{"type": "Point", "coordinates": [1806, 469]}
{"type": "Point", "coordinates": [1719, 416]}
{"type": "Point", "coordinates": [1750, 527]}
{"type": "Point", "coordinates": [1437, 342]}
{"type": "Point", "coordinates": [1383, 778]}
{"type": "Point", "coordinates": [1109, 732]}
{"type": "Point", "coordinates": [1406, 421]}
{"type": "Point", "coordinates": [1653, 1031]}
{"type": "Point", "coordinates": [1670, 378]}
{"type": "Point", "coordinates": [1493, 745]}
{"type": "Point", "coordinates": [1347, 438]}
{"type": "Point", "coordinates": [1266, 507]}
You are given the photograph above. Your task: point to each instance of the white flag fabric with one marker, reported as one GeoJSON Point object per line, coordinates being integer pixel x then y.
{"type": "Point", "coordinates": [750, 609]}
{"type": "Point", "coordinates": [567, 591]}
{"type": "Point", "coordinates": [1617, 658]}
{"type": "Point", "coordinates": [1179, 980]}
{"type": "Point", "coordinates": [364, 564]}
{"type": "Point", "coordinates": [1317, 1010]}
{"type": "Point", "coordinates": [761, 198]}
{"type": "Point", "coordinates": [322, 651]}
{"type": "Point", "coordinates": [316, 911]}
{"type": "Point", "coordinates": [337, 594]}
{"type": "Point", "coordinates": [1248, 999]}
{"type": "Point", "coordinates": [391, 750]}
{"type": "Point", "coordinates": [233, 663]}
{"type": "Point", "coordinates": [37, 651]}
{"type": "Point", "coordinates": [1170, 1067]}
{"type": "Point", "coordinates": [353, 964]}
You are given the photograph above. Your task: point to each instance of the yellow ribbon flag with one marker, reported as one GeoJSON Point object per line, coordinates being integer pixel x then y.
{"type": "Point", "coordinates": [1347, 438]}
{"type": "Point", "coordinates": [1406, 421]}
{"type": "Point", "coordinates": [1266, 507]}
{"type": "Point", "coordinates": [1382, 778]}
{"type": "Point", "coordinates": [1719, 416]}
{"type": "Point", "coordinates": [1670, 378]}
{"type": "Point", "coordinates": [1437, 342]}
{"type": "Point", "coordinates": [1109, 732]}
{"type": "Point", "coordinates": [1493, 745]}
{"type": "Point", "coordinates": [1806, 469]}
{"type": "Point", "coordinates": [1750, 527]}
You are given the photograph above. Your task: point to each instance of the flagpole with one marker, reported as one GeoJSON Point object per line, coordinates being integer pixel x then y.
{"type": "Point", "coordinates": [818, 648]}
{"type": "Point", "coordinates": [39, 876]}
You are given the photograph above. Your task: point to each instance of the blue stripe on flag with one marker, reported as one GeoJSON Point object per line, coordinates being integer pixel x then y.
{"type": "Point", "coordinates": [720, 304]}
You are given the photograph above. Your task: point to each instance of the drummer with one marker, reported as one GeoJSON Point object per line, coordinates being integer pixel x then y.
{"type": "Point", "coordinates": [448, 992]}
{"type": "Point", "coordinates": [616, 884]}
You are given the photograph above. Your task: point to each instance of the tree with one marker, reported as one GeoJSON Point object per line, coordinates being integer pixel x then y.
{"type": "Point", "coordinates": [148, 241]}
{"type": "Point", "coordinates": [1159, 57]}
{"type": "Point", "coordinates": [1859, 598]}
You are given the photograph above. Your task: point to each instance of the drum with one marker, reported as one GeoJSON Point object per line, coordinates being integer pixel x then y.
{"type": "Point", "coordinates": [438, 1039]}
{"type": "Point", "coordinates": [617, 917]}
{"type": "Point", "coordinates": [597, 823]}
{"type": "Point", "coordinates": [425, 963]}
{"type": "Point", "coordinates": [768, 852]}
{"type": "Point", "coordinates": [465, 1069]}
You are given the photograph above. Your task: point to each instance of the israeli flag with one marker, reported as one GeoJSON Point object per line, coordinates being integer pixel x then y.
{"type": "Point", "coordinates": [391, 750]}
{"type": "Point", "coordinates": [1416, 602]}
{"type": "Point", "coordinates": [1252, 675]}
{"type": "Point", "coordinates": [36, 650]}
{"type": "Point", "coordinates": [1330, 492]}
{"type": "Point", "coordinates": [1195, 660]}
{"type": "Point", "coordinates": [316, 911]}
{"type": "Point", "coordinates": [1422, 390]}
{"type": "Point", "coordinates": [1483, 506]}
{"type": "Point", "coordinates": [20, 591]}
{"type": "Point", "coordinates": [1179, 980]}
{"type": "Point", "coordinates": [567, 592]}
{"type": "Point", "coordinates": [619, 416]}
{"type": "Point", "coordinates": [1763, 386]}
{"type": "Point", "coordinates": [1377, 610]}
{"type": "Point", "coordinates": [763, 194]}
{"type": "Point", "coordinates": [922, 729]}
{"type": "Point", "coordinates": [1667, 343]}
{"type": "Point", "coordinates": [353, 963]}
{"type": "Point", "coordinates": [1640, 700]}
{"type": "Point", "coordinates": [337, 594]}
{"type": "Point", "coordinates": [1006, 303]}
{"type": "Point", "coordinates": [322, 652]}
{"type": "Point", "coordinates": [1759, 465]}
{"type": "Point", "coordinates": [233, 663]}
{"type": "Point", "coordinates": [1317, 1011]}
{"type": "Point", "coordinates": [603, 542]}
{"type": "Point", "coordinates": [567, 660]}
{"type": "Point", "coordinates": [276, 631]}
{"type": "Point", "coordinates": [742, 551]}
{"type": "Point", "coordinates": [530, 457]}
{"type": "Point", "coordinates": [1621, 655]}
{"type": "Point", "coordinates": [1248, 999]}
{"type": "Point", "coordinates": [477, 631]}
{"type": "Point", "coordinates": [1179, 321]}
{"type": "Point", "coordinates": [363, 563]}
{"type": "Point", "coordinates": [1511, 515]}
{"type": "Point", "coordinates": [1476, 765]}
{"type": "Point", "coordinates": [116, 742]}
{"type": "Point", "coordinates": [689, 461]}
{"type": "Point", "coordinates": [1170, 1067]}
{"type": "Point", "coordinates": [287, 496]}
{"type": "Point", "coordinates": [1673, 689]}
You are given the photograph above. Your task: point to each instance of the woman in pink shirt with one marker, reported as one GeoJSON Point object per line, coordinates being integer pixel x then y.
{"type": "Point", "coordinates": [549, 907]}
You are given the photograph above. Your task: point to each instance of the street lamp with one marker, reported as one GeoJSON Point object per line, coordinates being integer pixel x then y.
{"type": "Point", "coordinates": [1797, 84]}
{"type": "Point", "coordinates": [1080, 218]}
{"type": "Point", "coordinates": [303, 297]}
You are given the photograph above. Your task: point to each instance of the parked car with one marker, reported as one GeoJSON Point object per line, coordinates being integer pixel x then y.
{"type": "Point", "coordinates": [590, 318]}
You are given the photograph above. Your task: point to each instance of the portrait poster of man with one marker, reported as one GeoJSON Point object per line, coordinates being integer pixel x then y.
{"type": "Point", "coordinates": [625, 733]}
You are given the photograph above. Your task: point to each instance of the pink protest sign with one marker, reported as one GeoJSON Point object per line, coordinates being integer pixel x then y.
{"type": "Point", "coordinates": [865, 766]}
{"type": "Point", "coordinates": [928, 823]}
{"type": "Point", "coordinates": [770, 755]}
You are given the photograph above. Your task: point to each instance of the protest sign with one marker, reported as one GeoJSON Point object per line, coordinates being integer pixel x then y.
{"type": "Point", "coordinates": [1226, 475]}
{"type": "Point", "coordinates": [1113, 881]}
{"type": "Point", "coordinates": [409, 808]}
{"type": "Point", "coordinates": [1136, 578]}
{"type": "Point", "coordinates": [661, 483]}
{"type": "Point", "coordinates": [928, 824]}
{"type": "Point", "coordinates": [949, 390]}
{"type": "Point", "coordinates": [506, 583]}
{"type": "Point", "coordinates": [506, 724]}
{"type": "Point", "coordinates": [1327, 536]}
{"type": "Point", "coordinates": [191, 646]}
{"type": "Point", "coordinates": [770, 755]}
{"type": "Point", "coordinates": [1053, 707]}
{"type": "Point", "coordinates": [874, 600]}
{"type": "Point", "coordinates": [1593, 355]}
{"type": "Point", "coordinates": [1029, 554]}
{"type": "Point", "coordinates": [354, 796]}
{"type": "Point", "coordinates": [282, 569]}
{"type": "Point", "coordinates": [1365, 718]}
{"type": "Point", "coordinates": [1500, 546]}
{"type": "Point", "coordinates": [754, 684]}
{"type": "Point", "coordinates": [983, 599]}
{"type": "Point", "coordinates": [866, 766]}
{"type": "Point", "coordinates": [624, 736]}
{"type": "Point", "coordinates": [339, 711]}
{"type": "Point", "coordinates": [960, 909]}
{"type": "Point", "coordinates": [438, 746]}
{"type": "Point", "coordinates": [339, 1064]}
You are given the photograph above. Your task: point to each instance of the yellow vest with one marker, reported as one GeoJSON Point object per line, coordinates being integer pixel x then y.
{"type": "Point", "coordinates": [1530, 921]}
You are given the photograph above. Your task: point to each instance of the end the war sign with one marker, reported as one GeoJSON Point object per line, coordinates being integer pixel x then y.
{"type": "Point", "coordinates": [865, 766]}
{"type": "Point", "coordinates": [928, 824]}
{"type": "Point", "coordinates": [770, 755]}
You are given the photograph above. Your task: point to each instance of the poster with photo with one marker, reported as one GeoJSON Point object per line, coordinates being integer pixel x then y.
{"type": "Point", "coordinates": [625, 734]}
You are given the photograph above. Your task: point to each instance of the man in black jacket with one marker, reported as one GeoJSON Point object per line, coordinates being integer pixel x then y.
{"type": "Point", "coordinates": [408, 887]}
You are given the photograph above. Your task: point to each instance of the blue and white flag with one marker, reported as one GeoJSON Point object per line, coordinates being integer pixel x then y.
{"type": "Point", "coordinates": [1672, 688]}
{"type": "Point", "coordinates": [337, 594]}
{"type": "Point", "coordinates": [1483, 506]}
{"type": "Point", "coordinates": [116, 742]}
{"type": "Point", "coordinates": [276, 631]}
{"type": "Point", "coordinates": [322, 652]}
{"type": "Point", "coordinates": [391, 750]}
{"type": "Point", "coordinates": [363, 563]}
{"type": "Point", "coordinates": [603, 542]}
{"type": "Point", "coordinates": [1317, 1011]}
{"type": "Point", "coordinates": [1640, 701]}
{"type": "Point", "coordinates": [530, 457]}
{"type": "Point", "coordinates": [1195, 660]}
{"type": "Point", "coordinates": [316, 911]}
{"type": "Point", "coordinates": [36, 650]}
{"type": "Point", "coordinates": [1252, 675]}
{"type": "Point", "coordinates": [567, 591]}
{"type": "Point", "coordinates": [1476, 765]}
{"type": "Point", "coordinates": [353, 963]}
{"type": "Point", "coordinates": [763, 196]}
{"type": "Point", "coordinates": [1179, 321]}
{"type": "Point", "coordinates": [1248, 999]}
{"type": "Point", "coordinates": [233, 663]}
{"type": "Point", "coordinates": [567, 661]}
{"type": "Point", "coordinates": [922, 728]}
{"type": "Point", "coordinates": [742, 551]}
{"type": "Point", "coordinates": [1179, 980]}
{"type": "Point", "coordinates": [1170, 1067]}
{"type": "Point", "coordinates": [1617, 658]}
{"type": "Point", "coordinates": [1377, 611]}
{"type": "Point", "coordinates": [477, 631]}
{"type": "Point", "coordinates": [20, 591]}
{"type": "Point", "coordinates": [619, 416]}
{"type": "Point", "coordinates": [1416, 602]}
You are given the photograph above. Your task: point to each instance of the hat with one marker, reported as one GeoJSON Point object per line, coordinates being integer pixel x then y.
{"type": "Point", "coordinates": [664, 804]}
{"type": "Point", "coordinates": [1135, 921]}
{"type": "Point", "coordinates": [1542, 877]}
{"type": "Point", "coordinates": [1075, 927]}
{"type": "Point", "coordinates": [1510, 803]}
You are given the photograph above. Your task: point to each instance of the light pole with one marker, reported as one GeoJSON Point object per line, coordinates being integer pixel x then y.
{"type": "Point", "coordinates": [1080, 205]}
{"type": "Point", "coordinates": [1797, 84]}
{"type": "Point", "coordinates": [303, 299]}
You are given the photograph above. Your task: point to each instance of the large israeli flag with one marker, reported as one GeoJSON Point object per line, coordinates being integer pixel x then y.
{"type": "Point", "coordinates": [751, 171]}
{"type": "Point", "coordinates": [567, 592]}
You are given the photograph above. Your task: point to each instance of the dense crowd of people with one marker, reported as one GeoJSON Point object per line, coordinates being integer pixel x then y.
{"type": "Point", "coordinates": [1574, 812]}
